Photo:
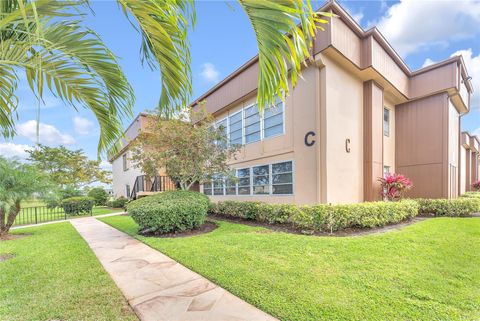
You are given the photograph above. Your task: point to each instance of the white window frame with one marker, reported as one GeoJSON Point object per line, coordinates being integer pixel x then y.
{"type": "Point", "coordinates": [283, 123]}
{"type": "Point", "coordinates": [242, 129]}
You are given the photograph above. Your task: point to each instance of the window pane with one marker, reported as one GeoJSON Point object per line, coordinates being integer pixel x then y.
{"type": "Point", "coordinates": [261, 189]}
{"type": "Point", "coordinates": [235, 126]}
{"type": "Point", "coordinates": [260, 170]}
{"type": "Point", "coordinates": [252, 137]}
{"type": "Point", "coordinates": [243, 190]}
{"type": "Point", "coordinates": [252, 110]}
{"type": "Point", "coordinates": [272, 131]}
{"type": "Point", "coordinates": [282, 189]}
{"type": "Point", "coordinates": [245, 172]}
{"type": "Point", "coordinates": [244, 181]}
{"type": "Point", "coordinates": [273, 111]}
{"type": "Point", "coordinates": [274, 120]}
{"type": "Point", "coordinates": [386, 121]}
{"type": "Point", "coordinates": [261, 180]}
{"type": "Point", "coordinates": [282, 178]}
{"type": "Point", "coordinates": [231, 191]}
{"type": "Point", "coordinates": [207, 191]}
{"type": "Point", "coordinates": [282, 167]}
{"type": "Point", "coordinates": [218, 191]}
{"type": "Point", "coordinates": [207, 185]}
{"type": "Point", "coordinates": [255, 128]}
{"type": "Point", "coordinates": [235, 118]}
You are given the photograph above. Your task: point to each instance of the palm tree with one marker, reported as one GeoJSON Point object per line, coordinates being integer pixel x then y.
{"type": "Point", "coordinates": [45, 38]}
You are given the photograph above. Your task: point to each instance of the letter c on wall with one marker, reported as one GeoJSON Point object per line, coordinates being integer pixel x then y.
{"type": "Point", "coordinates": [309, 142]}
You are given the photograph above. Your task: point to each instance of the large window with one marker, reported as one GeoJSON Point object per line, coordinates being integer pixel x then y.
{"type": "Point", "coordinates": [252, 124]}
{"type": "Point", "coordinates": [243, 181]}
{"type": "Point", "coordinates": [270, 179]}
{"type": "Point", "coordinates": [261, 179]}
{"type": "Point", "coordinates": [273, 120]}
{"type": "Point", "coordinates": [125, 161]}
{"type": "Point", "coordinates": [282, 178]}
{"type": "Point", "coordinates": [127, 190]}
{"type": "Point", "coordinates": [222, 127]}
{"type": "Point", "coordinates": [386, 121]}
{"type": "Point", "coordinates": [236, 128]}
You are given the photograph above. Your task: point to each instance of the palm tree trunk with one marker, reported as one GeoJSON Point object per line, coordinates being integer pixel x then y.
{"type": "Point", "coordinates": [12, 214]}
{"type": "Point", "coordinates": [2, 223]}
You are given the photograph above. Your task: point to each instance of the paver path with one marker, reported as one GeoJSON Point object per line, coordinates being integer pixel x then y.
{"type": "Point", "coordinates": [157, 287]}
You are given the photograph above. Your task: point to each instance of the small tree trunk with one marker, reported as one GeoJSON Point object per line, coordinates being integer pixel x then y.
{"type": "Point", "coordinates": [12, 214]}
{"type": "Point", "coordinates": [2, 223]}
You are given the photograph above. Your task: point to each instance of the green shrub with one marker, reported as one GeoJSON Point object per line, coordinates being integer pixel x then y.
{"type": "Point", "coordinates": [78, 205]}
{"type": "Point", "coordinates": [171, 211]}
{"type": "Point", "coordinates": [322, 217]}
{"type": "Point", "coordinates": [463, 206]}
{"type": "Point", "coordinates": [120, 202]}
{"type": "Point", "coordinates": [471, 195]}
{"type": "Point", "coordinates": [99, 195]}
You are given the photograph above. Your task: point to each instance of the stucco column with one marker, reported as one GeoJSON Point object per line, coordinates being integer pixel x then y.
{"type": "Point", "coordinates": [468, 170]}
{"type": "Point", "coordinates": [372, 140]}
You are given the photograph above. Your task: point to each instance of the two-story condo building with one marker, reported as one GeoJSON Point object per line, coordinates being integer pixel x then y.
{"type": "Point", "coordinates": [358, 112]}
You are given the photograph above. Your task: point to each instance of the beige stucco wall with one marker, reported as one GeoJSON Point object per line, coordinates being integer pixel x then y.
{"type": "Point", "coordinates": [343, 119]}
{"type": "Point", "coordinates": [389, 141]}
{"type": "Point", "coordinates": [463, 169]}
{"type": "Point", "coordinates": [300, 118]}
{"type": "Point", "coordinates": [121, 178]}
{"type": "Point", "coordinates": [453, 149]}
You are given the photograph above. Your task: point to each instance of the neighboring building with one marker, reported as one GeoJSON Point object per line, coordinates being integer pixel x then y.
{"type": "Point", "coordinates": [469, 161]}
{"type": "Point", "coordinates": [359, 112]}
{"type": "Point", "coordinates": [129, 181]}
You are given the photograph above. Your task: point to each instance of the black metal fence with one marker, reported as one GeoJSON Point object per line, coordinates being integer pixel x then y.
{"type": "Point", "coordinates": [41, 214]}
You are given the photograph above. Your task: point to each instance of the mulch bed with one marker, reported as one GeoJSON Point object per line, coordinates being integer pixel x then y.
{"type": "Point", "coordinates": [207, 227]}
{"type": "Point", "coordinates": [342, 233]}
{"type": "Point", "coordinates": [10, 237]}
{"type": "Point", "coordinates": [6, 256]}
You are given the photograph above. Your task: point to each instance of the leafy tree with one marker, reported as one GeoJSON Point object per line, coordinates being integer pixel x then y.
{"type": "Point", "coordinates": [189, 153]}
{"type": "Point", "coordinates": [68, 168]}
{"type": "Point", "coordinates": [18, 182]}
{"type": "Point", "coordinates": [75, 65]}
{"type": "Point", "coordinates": [99, 195]}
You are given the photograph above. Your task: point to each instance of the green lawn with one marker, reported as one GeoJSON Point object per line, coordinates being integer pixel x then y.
{"type": "Point", "coordinates": [426, 271]}
{"type": "Point", "coordinates": [55, 276]}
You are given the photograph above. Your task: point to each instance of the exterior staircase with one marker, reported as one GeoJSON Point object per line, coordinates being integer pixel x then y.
{"type": "Point", "coordinates": [145, 186]}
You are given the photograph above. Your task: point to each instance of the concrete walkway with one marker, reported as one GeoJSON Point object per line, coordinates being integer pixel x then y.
{"type": "Point", "coordinates": [157, 287]}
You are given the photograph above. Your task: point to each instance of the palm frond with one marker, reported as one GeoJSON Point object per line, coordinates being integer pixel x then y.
{"type": "Point", "coordinates": [285, 30]}
{"type": "Point", "coordinates": [164, 28]}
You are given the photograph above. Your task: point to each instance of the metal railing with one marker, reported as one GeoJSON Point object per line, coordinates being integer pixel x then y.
{"type": "Point", "coordinates": [42, 214]}
{"type": "Point", "coordinates": [163, 183]}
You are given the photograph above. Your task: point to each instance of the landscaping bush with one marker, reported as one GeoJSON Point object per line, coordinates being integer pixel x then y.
{"type": "Point", "coordinates": [120, 202]}
{"type": "Point", "coordinates": [471, 195]}
{"type": "Point", "coordinates": [171, 211]}
{"type": "Point", "coordinates": [476, 185]}
{"type": "Point", "coordinates": [99, 195]}
{"type": "Point", "coordinates": [394, 186]}
{"type": "Point", "coordinates": [462, 206]}
{"type": "Point", "coordinates": [78, 205]}
{"type": "Point", "coordinates": [322, 217]}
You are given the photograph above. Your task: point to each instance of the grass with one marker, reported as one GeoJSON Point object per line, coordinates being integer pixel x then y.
{"type": "Point", "coordinates": [426, 271]}
{"type": "Point", "coordinates": [55, 276]}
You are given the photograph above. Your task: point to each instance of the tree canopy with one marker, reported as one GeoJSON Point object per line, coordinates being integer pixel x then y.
{"type": "Point", "coordinates": [188, 152]}
{"type": "Point", "coordinates": [68, 167]}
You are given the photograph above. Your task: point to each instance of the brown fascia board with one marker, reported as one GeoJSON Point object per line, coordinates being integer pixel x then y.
{"type": "Point", "coordinates": [116, 155]}
{"type": "Point", "coordinates": [333, 6]}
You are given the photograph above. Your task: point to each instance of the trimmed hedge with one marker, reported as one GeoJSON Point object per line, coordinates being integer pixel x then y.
{"type": "Point", "coordinates": [462, 206]}
{"type": "Point", "coordinates": [171, 211]}
{"type": "Point", "coordinates": [321, 217]}
{"type": "Point", "coordinates": [78, 205]}
{"type": "Point", "coordinates": [118, 203]}
{"type": "Point", "coordinates": [471, 195]}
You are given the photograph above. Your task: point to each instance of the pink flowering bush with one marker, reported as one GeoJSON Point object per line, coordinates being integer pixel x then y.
{"type": "Point", "coordinates": [476, 185]}
{"type": "Point", "coordinates": [394, 186]}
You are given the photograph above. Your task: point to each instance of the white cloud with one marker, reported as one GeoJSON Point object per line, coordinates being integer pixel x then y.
{"type": "Point", "coordinates": [210, 73]}
{"type": "Point", "coordinates": [48, 134]}
{"type": "Point", "coordinates": [413, 25]}
{"type": "Point", "coordinates": [106, 165]}
{"type": "Point", "coordinates": [14, 150]}
{"type": "Point", "coordinates": [356, 15]}
{"type": "Point", "coordinates": [428, 62]}
{"type": "Point", "coordinates": [82, 125]}
{"type": "Point", "coordinates": [473, 68]}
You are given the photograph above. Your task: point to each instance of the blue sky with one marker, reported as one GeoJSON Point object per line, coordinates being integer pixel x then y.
{"type": "Point", "coordinates": [421, 31]}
